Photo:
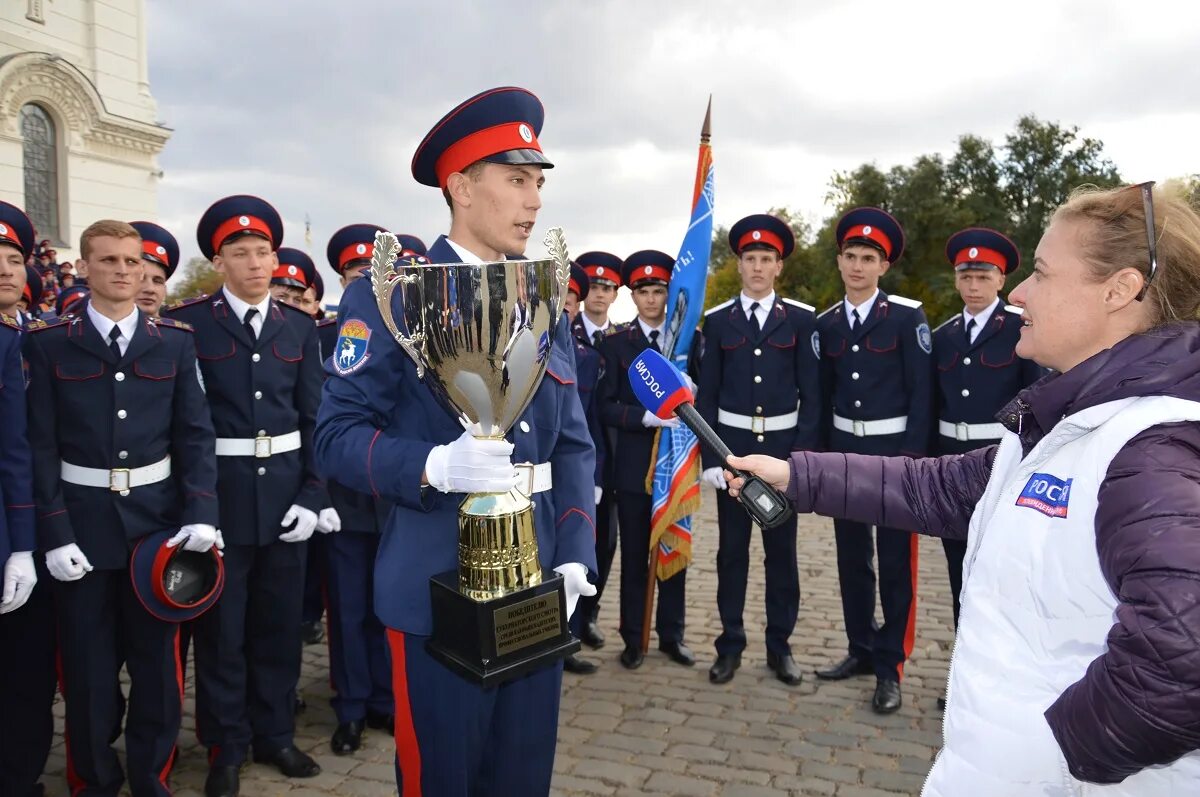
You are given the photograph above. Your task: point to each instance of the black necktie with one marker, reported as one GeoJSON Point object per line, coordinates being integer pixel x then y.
{"type": "Point", "coordinates": [113, 334]}
{"type": "Point", "coordinates": [250, 314]}
{"type": "Point", "coordinates": [855, 319]}
{"type": "Point", "coordinates": [754, 319]}
{"type": "Point", "coordinates": [970, 329]}
{"type": "Point", "coordinates": [654, 340]}
{"type": "Point", "coordinates": [597, 336]}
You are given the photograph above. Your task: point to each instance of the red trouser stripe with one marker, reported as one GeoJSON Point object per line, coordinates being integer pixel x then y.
{"type": "Point", "coordinates": [408, 752]}
{"type": "Point", "coordinates": [74, 783]}
{"type": "Point", "coordinates": [166, 770]}
{"type": "Point", "coordinates": [910, 628]}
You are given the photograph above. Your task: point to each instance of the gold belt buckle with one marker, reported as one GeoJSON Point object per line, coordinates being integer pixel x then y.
{"type": "Point", "coordinates": [118, 480]}
{"type": "Point", "coordinates": [758, 424]}
{"type": "Point", "coordinates": [262, 446]}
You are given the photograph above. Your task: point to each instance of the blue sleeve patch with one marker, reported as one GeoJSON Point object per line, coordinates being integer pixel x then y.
{"type": "Point", "coordinates": [816, 344]}
{"type": "Point", "coordinates": [925, 338]}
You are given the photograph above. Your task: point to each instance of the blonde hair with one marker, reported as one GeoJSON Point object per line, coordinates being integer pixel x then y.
{"type": "Point", "coordinates": [105, 228]}
{"type": "Point", "coordinates": [1113, 237]}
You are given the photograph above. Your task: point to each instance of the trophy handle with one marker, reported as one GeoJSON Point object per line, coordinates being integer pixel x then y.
{"type": "Point", "coordinates": [384, 279]}
{"type": "Point", "coordinates": [556, 245]}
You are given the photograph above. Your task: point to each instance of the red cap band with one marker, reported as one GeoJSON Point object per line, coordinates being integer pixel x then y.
{"type": "Point", "coordinates": [72, 300]}
{"type": "Point", "coordinates": [479, 145]}
{"type": "Point", "coordinates": [241, 224]}
{"type": "Point", "coordinates": [28, 293]}
{"type": "Point", "coordinates": [155, 252]}
{"type": "Point", "coordinates": [358, 251]}
{"type": "Point", "coordinates": [7, 233]}
{"type": "Point", "coordinates": [572, 285]}
{"type": "Point", "coordinates": [643, 273]}
{"type": "Point", "coordinates": [602, 274]}
{"type": "Point", "coordinates": [760, 237]}
{"type": "Point", "coordinates": [286, 271]}
{"type": "Point", "coordinates": [981, 254]}
{"type": "Point", "coordinates": [871, 234]}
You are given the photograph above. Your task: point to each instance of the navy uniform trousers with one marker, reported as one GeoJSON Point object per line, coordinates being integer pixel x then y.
{"type": "Point", "coordinates": [27, 685]}
{"type": "Point", "coordinates": [633, 514]}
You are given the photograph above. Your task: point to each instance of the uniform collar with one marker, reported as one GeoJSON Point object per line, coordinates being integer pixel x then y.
{"type": "Point", "coordinates": [863, 309]}
{"type": "Point", "coordinates": [104, 324]}
{"type": "Point", "coordinates": [590, 328]}
{"type": "Point", "coordinates": [765, 303]}
{"type": "Point", "coordinates": [240, 307]}
{"type": "Point", "coordinates": [466, 255]}
{"type": "Point", "coordinates": [647, 329]}
{"type": "Point", "coordinates": [982, 317]}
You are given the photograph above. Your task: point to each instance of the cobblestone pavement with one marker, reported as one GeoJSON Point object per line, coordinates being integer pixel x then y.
{"type": "Point", "coordinates": [664, 729]}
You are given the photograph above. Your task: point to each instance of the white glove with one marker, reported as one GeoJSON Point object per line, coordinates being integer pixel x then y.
{"type": "Point", "coordinates": [715, 478]}
{"type": "Point", "coordinates": [471, 465]}
{"type": "Point", "coordinates": [651, 421]}
{"type": "Point", "coordinates": [306, 523]}
{"type": "Point", "coordinates": [198, 537]}
{"type": "Point", "coordinates": [328, 520]}
{"type": "Point", "coordinates": [575, 583]}
{"type": "Point", "coordinates": [19, 578]}
{"type": "Point", "coordinates": [690, 383]}
{"type": "Point", "coordinates": [599, 494]}
{"type": "Point", "coordinates": [67, 563]}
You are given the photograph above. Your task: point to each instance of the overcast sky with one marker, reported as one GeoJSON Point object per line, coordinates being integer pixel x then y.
{"type": "Point", "coordinates": [318, 106]}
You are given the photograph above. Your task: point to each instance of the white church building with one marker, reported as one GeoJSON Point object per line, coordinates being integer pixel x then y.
{"type": "Point", "coordinates": [79, 135]}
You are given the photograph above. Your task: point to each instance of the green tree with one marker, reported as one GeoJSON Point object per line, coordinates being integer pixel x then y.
{"type": "Point", "coordinates": [198, 277]}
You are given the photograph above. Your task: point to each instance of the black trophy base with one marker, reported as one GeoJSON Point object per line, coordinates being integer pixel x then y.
{"type": "Point", "coordinates": [494, 641]}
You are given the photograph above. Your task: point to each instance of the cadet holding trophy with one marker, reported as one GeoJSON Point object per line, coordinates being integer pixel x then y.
{"type": "Point", "coordinates": [481, 561]}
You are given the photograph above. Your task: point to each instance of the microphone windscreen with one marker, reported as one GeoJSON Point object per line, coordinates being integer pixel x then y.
{"type": "Point", "coordinates": [658, 384]}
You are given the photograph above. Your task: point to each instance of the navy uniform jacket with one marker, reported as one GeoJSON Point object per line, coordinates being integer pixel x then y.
{"type": "Point", "coordinates": [765, 374]}
{"type": "Point", "coordinates": [378, 424]}
{"type": "Point", "coordinates": [16, 480]}
{"type": "Point", "coordinates": [91, 410]}
{"type": "Point", "coordinates": [890, 352]}
{"type": "Point", "coordinates": [272, 386]}
{"type": "Point", "coordinates": [975, 380]}
{"type": "Point", "coordinates": [589, 366]}
{"type": "Point", "coordinates": [633, 453]}
{"type": "Point", "coordinates": [355, 508]}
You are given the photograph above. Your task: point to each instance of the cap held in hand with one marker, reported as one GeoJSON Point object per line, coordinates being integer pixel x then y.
{"type": "Point", "coordinates": [175, 584]}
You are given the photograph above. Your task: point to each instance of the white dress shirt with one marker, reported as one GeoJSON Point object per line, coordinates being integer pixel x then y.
{"type": "Point", "coordinates": [239, 309]}
{"type": "Point", "coordinates": [764, 307]}
{"type": "Point", "coordinates": [980, 318]}
{"type": "Point", "coordinates": [863, 309]}
{"type": "Point", "coordinates": [591, 329]}
{"type": "Point", "coordinates": [104, 325]}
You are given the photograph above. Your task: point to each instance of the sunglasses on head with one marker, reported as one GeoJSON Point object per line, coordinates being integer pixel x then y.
{"type": "Point", "coordinates": [1147, 190]}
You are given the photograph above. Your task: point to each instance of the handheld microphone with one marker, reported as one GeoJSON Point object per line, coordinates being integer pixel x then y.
{"type": "Point", "coordinates": [661, 388]}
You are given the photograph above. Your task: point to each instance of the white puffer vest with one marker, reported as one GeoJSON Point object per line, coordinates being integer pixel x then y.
{"type": "Point", "coordinates": [1036, 611]}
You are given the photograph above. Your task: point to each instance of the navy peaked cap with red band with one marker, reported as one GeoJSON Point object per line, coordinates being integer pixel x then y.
{"type": "Point", "coordinates": [500, 125]}
{"type": "Point", "coordinates": [872, 227]}
{"type": "Point", "coordinates": [601, 267]}
{"type": "Point", "coordinates": [172, 584]}
{"type": "Point", "coordinates": [236, 216]}
{"type": "Point", "coordinates": [16, 229]}
{"type": "Point", "coordinates": [761, 230]}
{"type": "Point", "coordinates": [412, 248]}
{"type": "Point", "coordinates": [981, 248]}
{"type": "Point", "coordinates": [352, 242]}
{"type": "Point", "coordinates": [158, 245]}
{"type": "Point", "coordinates": [33, 286]}
{"type": "Point", "coordinates": [647, 267]}
{"type": "Point", "coordinates": [579, 281]}
{"type": "Point", "coordinates": [69, 298]}
{"type": "Point", "coordinates": [295, 269]}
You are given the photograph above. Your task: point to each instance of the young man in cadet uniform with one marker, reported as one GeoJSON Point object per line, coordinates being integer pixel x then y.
{"type": "Point", "coordinates": [27, 677]}
{"type": "Point", "coordinates": [590, 326]}
{"type": "Point", "coordinates": [122, 448]}
{"type": "Point", "coordinates": [878, 399]}
{"type": "Point", "coordinates": [647, 273]}
{"type": "Point", "coordinates": [160, 250]}
{"type": "Point", "coordinates": [260, 365]}
{"type": "Point", "coordinates": [978, 370]}
{"type": "Point", "coordinates": [759, 388]}
{"type": "Point", "coordinates": [381, 430]}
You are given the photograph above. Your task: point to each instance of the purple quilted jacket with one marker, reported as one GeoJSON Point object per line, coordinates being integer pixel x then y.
{"type": "Point", "coordinates": [1139, 703]}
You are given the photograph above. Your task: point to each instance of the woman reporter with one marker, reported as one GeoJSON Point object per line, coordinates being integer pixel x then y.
{"type": "Point", "coordinates": [1078, 651]}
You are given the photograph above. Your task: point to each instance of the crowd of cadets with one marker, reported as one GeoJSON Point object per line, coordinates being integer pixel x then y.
{"type": "Point", "coordinates": [207, 410]}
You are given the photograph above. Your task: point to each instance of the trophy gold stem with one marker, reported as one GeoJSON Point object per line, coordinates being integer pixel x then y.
{"type": "Point", "coordinates": [497, 545]}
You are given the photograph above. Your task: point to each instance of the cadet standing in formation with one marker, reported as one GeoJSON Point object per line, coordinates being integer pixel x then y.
{"type": "Point", "coordinates": [590, 326]}
{"type": "Point", "coordinates": [260, 365]}
{"type": "Point", "coordinates": [978, 370]}
{"type": "Point", "coordinates": [122, 448]}
{"type": "Point", "coordinates": [160, 251]}
{"type": "Point", "coordinates": [647, 273]}
{"type": "Point", "coordinates": [759, 388]}
{"type": "Point", "coordinates": [878, 383]}
{"type": "Point", "coordinates": [383, 431]}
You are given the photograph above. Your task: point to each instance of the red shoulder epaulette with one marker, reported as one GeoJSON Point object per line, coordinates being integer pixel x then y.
{"type": "Point", "coordinates": [38, 325]}
{"type": "Point", "coordinates": [186, 303]}
{"type": "Point", "coordinates": [324, 322]}
{"type": "Point", "coordinates": [9, 321]}
{"type": "Point", "coordinates": [171, 323]}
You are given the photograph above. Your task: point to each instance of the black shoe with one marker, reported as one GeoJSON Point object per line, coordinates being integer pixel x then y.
{"type": "Point", "coordinates": [580, 666]}
{"type": "Point", "coordinates": [381, 722]}
{"type": "Point", "coordinates": [347, 738]}
{"type": "Point", "coordinates": [785, 668]}
{"type": "Point", "coordinates": [222, 782]}
{"type": "Point", "coordinates": [678, 653]}
{"type": "Point", "coordinates": [631, 657]}
{"type": "Point", "coordinates": [312, 633]}
{"type": "Point", "coordinates": [846, 668]}
{"type": "Point", "coordinates": [291, 762]}
{"type": "Point", "coordinates": [887, 696]}
{"type": "Point", "coordinates": [591, 636]}
{"type": "Point", "coordinates": [724, 667]}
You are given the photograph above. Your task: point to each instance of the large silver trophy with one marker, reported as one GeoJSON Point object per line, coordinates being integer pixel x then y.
{"type": "Point", "coordinates": [480, 337]}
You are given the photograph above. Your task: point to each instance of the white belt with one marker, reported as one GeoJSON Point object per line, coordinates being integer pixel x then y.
{"type": "Point", "coordinates": [871, 428]}
{"type": "Point", "coordinates": [118, 479]}
{"type": "Point", "coordinates": [260, 447]}
{"type": "Point", "coordinates": [534, 478]}
{"type": "Point", "coordinates": [758, 423]}
{"type": "Point", "coordinates": [971, 431]}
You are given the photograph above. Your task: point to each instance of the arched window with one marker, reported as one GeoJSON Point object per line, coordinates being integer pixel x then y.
{"type": "Point", "coordinates": [41, 170]}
